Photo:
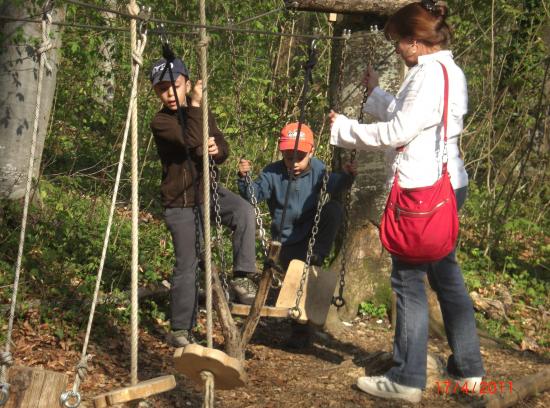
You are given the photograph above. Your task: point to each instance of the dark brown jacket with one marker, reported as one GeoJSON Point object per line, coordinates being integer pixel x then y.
{"type": "Point", "coordinates": [179, 170]}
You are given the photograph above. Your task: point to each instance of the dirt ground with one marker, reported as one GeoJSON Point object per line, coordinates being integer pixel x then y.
{"type": "Point", "coordinates": [322, 375]}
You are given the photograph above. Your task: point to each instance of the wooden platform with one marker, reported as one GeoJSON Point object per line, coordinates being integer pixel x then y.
{"type": "Point", "coordinates": [35, 387]}
{"type": "Point", "coordinates": [136, 392]}
{"type": "Point", "coordinates": [193, 359]}
{"type": "Point", "coordinates": [314, 303]}
{"type": "Point", "coordinates": [266, 311]}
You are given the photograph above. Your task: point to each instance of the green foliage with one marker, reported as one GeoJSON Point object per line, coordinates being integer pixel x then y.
{"type": "Point", "coordinates": [370, 309]}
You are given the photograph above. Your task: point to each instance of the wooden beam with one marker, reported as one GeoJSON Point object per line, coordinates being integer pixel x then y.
{"type": "Point", "coordinates": [382, 7]}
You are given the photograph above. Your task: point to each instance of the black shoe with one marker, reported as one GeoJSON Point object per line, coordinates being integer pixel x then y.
{"type": "Point", "coordinates": [301, 336]}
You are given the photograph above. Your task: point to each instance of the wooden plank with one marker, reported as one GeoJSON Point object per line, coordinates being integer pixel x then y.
{"type": "Point", "coordinates": [35, 387]}
{"type": "Point", "coordinates": [381, 7]}
{"type": "Point", "coordinates": [193, 359]}
{"type": "Point", "coordinates": [289, 289]}
{"type": "Point", "coordinates": [266, 311]}
{"type": "Point", "coordinates": [332, 17]}
{"type": "Point", "coordinates": [136, 392]}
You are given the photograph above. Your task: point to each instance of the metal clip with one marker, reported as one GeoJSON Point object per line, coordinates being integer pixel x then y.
{"type": "Point", "coordinates": [346, 33]}
{"type": "Point", "coordinates": [144, 16]}
{"type": "Point", "coordinates": [67, 396]}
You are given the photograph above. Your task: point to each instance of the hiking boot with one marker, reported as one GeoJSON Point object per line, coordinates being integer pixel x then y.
{"type": "Point", "coordinates": [381, 386]}
{"type": "Point", "coordinates": [245, 290]}
{"type": "Point", "coordinates": [301, 336]}
{"type": "Point", "coordinates": [179, 338]}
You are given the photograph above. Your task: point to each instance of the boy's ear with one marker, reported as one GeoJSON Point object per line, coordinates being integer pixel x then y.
{"type": "Point", "coordinates": [187, 85]}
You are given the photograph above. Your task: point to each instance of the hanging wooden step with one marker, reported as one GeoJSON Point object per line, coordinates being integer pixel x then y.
{"type": "Point", "coordinates": [193, 359]}
{"type": "Point", "coordinates": [318, 290]}
{"type": "Point", "coordinates": [35, 387]}
{"type": "Point", "coordinates": [136, 392]}
{"type": "Point", "coordinates": [266, 311]}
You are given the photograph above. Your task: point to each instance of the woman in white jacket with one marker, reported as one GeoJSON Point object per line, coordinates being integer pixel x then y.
{"type": "Point", "coordinates": [413, 119]}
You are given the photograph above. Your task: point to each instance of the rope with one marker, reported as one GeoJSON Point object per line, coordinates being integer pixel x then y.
{"type": "Point", "coordinates": [82, 365]}
{"type": "Point", "coordinates": [208, 379]}
{"type": "Point", "coordinates": [6, 357]}
{"type": "Point", "coordinates": [134, 10]}
{"type": "Point", "coordinates": [203, 45]}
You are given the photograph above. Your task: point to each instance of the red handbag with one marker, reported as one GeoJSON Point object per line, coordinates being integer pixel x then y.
{"type": "Point", "coordinates": [420, 225]}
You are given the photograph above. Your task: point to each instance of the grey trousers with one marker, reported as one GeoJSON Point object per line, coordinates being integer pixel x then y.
{"type": "Point", "coordinates": [236, 214]}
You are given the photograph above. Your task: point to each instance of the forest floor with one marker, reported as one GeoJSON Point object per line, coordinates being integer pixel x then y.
{"type": "Point", "coordinates": [322, 375]}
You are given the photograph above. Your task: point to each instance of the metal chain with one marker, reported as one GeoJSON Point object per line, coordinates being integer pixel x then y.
{"type": "Point", "coordinates": [295, 311]}
{"type": "Point", "coordinates": [218, 219]}
{"type": "Point", "coordinates": [259, 220]}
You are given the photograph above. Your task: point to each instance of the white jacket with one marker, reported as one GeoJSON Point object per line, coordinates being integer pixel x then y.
{"type": "Point", "coordinates": [414, 117]}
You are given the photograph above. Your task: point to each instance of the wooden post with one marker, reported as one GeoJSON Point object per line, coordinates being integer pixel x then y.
{"type": "Point", "coordinates": [35, 387]}
{"type": "Point", "coordinates": [380, 7]}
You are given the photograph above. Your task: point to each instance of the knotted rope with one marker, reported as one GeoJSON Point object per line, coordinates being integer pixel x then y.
{"type": "Point", "coordinates": [82, 366]}
{"type": "Point", "coordinates": [6, 358]}
{"type": "Point", "coordinates": [208, 379]}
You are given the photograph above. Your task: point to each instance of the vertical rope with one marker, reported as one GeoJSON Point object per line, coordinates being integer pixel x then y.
{"type": "Point", "coordinates": [134, 9]}
{"type": "Point", "coordinates": [203, 46]}
{"type": "Point", "coordinates": [6, 358]}
{"type": "Point", "coordinates": [82, 365]}
{"type": "Point", "coordinates": [208, 379]}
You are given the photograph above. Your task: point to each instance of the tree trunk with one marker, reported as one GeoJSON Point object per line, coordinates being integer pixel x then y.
{"type": "Point", "coordinates": [104, 90]}
{"type": "Point", "coordinates": [380, 7]}
{"type": "Point", "coordinates": [368, 266]}
{"type": "Point", "coordinates": [19, 64]}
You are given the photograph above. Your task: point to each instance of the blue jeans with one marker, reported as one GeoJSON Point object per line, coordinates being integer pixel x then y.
{"type": "Point", "coordinates": [410, 345]}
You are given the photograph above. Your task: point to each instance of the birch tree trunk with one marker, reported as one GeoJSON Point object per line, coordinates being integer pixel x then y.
{"type": "Point", "coordinates": [368, 265]}
{"type": "Point", "coordinates": [19, 64]}
{"type": "Point", "coordinates": [104, 90]}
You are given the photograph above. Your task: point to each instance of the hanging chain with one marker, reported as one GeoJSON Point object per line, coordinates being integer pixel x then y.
{"type": "Point", "coordinates": [259, 220]}
{"type": "Point", "coordinates": [218, 220]}
{"type": "Point", "coordinates": [295, 312]}
{"type": "Point", "coordinates": [339, 301]}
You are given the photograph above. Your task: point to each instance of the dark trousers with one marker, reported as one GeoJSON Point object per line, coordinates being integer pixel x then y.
{"type": "Point", "coordinates": [411, 332]}
{"type": "Point", "coordinates": [236, 214]}
{"type": "Point", "coordinates": [332, 214]}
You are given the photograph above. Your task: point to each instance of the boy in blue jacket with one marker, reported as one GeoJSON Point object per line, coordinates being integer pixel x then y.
{"type": "Point", "coordinates": [271, 186]}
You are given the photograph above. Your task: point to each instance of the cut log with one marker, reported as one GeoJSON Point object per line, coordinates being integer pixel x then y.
{"type": "Point", "coordinates": [382, 7]}
{"type": "Point", "coordinates": [193, 359]}
{"type": "Point", "coordinates": [523, 388]}
{"type": "Point", "coordinates": [35, 387]}
{"type": "Point", "coordinates": [136, 392]}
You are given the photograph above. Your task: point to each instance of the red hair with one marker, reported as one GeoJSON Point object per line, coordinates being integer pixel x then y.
{"type": "Point", "coordinates": [416, 22]}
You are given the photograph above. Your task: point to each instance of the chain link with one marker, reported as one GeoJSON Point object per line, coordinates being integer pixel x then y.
{"type": "Point", "coordinates": [218, 220]}
{"type": "Point", "coordinates": [295, 312]}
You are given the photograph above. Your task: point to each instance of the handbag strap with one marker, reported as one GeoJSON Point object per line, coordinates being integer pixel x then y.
{"type": "Point", "coordinates": [445, 116]}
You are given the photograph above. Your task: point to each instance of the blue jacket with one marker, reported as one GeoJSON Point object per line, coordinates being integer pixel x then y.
{"type": "Point", "coordinates": [302, 203]}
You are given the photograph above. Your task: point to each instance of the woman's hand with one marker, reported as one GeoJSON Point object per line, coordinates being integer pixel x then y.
{"type": "Point", "coordinates": [244, 167]}
{"type": "Point", "coordinates": [196, 94]}
{"type": "Point", "coordinates": [370, 80]}
{"type": "Point", "coordinates": [332, 116]}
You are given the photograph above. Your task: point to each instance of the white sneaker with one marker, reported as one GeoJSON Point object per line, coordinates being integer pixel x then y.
{"type": "Point", "coordinates": [472, 383]}
{"type": "Point", "coordinates": [385, 388]}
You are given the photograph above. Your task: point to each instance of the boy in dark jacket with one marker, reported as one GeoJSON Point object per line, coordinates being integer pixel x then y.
{"type": "Point", "coordinates": [181, 192]}
{"type": "Point", "coordinates": [271, 186]}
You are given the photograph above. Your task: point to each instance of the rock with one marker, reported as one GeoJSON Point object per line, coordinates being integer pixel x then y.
{"type": "Point", "coordinates": [493, 308]}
